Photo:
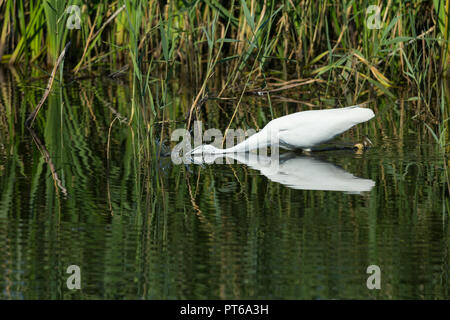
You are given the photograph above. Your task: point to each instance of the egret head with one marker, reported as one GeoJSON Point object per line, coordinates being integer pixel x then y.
{"type": "Point", "coordinates": [203, 149]}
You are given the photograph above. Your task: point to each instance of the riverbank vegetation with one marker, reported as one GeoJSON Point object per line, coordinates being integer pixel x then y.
{"type": "Point", "coordinates": [310, 53]}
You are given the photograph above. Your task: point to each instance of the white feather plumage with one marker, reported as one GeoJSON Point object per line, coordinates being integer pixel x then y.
{"type": "Point", "coordinates": [300, 130]}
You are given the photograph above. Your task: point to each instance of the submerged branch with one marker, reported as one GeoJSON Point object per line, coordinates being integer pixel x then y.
{"type": "Point", "coordinates": [41, 147]}
{"type": "Point", "coordinates": [32, 116]}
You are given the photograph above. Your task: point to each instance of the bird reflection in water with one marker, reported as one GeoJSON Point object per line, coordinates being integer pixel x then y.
{"type": "Point", "coordinates": [298, 171]}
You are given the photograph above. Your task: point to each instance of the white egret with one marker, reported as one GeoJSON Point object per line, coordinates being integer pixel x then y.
{"type": "Point", "coordinates": [300, 130]}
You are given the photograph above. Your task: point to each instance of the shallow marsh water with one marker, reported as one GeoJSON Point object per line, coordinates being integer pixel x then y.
{"type": "Point", "coordinates": [219, 231]}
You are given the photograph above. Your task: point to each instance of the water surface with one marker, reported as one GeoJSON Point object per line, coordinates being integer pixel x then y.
{"type": "Point", "coordinates": [212, 231]}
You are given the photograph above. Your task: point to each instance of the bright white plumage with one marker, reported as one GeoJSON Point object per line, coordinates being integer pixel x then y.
{"type": "Point", "coordinates": [300, 130]}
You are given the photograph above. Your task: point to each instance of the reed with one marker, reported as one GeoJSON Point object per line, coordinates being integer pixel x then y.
{"type": "Point", "coordinates": [254, 45]}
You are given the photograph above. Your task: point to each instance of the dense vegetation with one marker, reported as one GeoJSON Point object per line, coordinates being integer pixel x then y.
{"type": "Point", "coordinates": [91, 181]}
{"type": "Point", "coordinates": [227, 49]}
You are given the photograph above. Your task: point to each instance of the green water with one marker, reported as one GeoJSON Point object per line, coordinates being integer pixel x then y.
{"type": "Point", "coordinates": [156, 230]}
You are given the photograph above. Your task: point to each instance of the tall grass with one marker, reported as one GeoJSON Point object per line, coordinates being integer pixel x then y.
{"type": "Point", "coordinates": [258, 47]}
{"type": "Point", "coordinates": [304, 35]}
